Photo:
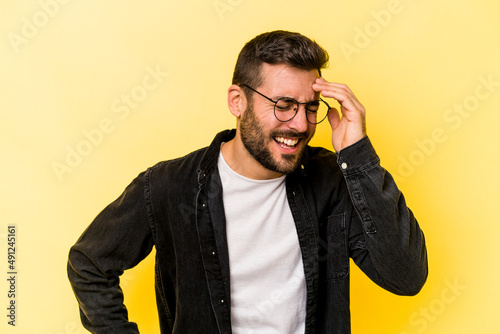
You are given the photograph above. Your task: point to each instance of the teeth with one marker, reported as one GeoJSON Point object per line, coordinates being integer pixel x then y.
{"type": "Point", "coordinates": [288, 142]}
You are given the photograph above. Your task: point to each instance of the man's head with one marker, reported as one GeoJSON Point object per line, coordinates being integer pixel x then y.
{"type": "Point", "coordinates": [277, 47]}
{"type": "Point", "coordinates": [277, 64]}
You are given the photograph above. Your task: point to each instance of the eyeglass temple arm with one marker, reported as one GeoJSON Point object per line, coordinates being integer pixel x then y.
{"type": "Point", "coordinates": [258, 93]}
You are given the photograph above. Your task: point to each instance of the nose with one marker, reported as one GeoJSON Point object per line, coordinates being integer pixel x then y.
{"type": "Point", "coordinates": [299, 122]}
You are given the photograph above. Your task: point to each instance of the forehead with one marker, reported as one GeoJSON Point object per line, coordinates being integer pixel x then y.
{"type": "Point", "coordinates": [282, 79]}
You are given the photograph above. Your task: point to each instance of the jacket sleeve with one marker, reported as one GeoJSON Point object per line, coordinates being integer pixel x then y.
{"type": "Point", "coordinates": [385, 239]}
{"type": "Point", "coordinates": [118, 239]}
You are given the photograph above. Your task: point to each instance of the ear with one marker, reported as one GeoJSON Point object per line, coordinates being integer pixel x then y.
{"type": "Point", "coordinates": [236, 100]}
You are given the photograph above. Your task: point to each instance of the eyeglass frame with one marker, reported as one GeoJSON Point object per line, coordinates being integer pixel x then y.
{"type": "Point", "coordinates": [306, 104]}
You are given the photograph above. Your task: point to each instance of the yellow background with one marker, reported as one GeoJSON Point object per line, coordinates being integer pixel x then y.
{"type": "Point", "coordinates": [68, 66]}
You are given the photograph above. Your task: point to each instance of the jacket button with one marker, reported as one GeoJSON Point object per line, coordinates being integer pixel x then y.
{"type": "Point", "coordinates": [344, 165]}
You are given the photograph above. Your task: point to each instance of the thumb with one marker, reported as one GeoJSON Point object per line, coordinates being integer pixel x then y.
{"type": "Point", "coordinates": [333, 118]}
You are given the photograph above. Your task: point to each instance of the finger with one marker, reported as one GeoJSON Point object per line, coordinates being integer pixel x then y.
{"type": "Point", "coordinates": [322, 84]}
{"type": "Point", "coordinates": [341, 93]}
{"type": "Point", "coordinates": [337, 91]}
{"type": "Point", "coordinates": [334, 118]}
{"type": "Point", "coordinates": [320, 80]}
{"type": "Point", "coordinates": [348, 103]}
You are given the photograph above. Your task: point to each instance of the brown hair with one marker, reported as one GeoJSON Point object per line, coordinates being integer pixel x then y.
{"type": "Point", "coordinates": [277, 47]}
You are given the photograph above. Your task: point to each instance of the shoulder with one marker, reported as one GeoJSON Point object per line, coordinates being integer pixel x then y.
{"type": "Point", "coordinates": [321, 170]}
{"type": "Point", "coordinates": [203, 158]}
{"type": "Point", "coordinates": [179, 167]}
{"type": "Point", "coordinates": [320, 158]}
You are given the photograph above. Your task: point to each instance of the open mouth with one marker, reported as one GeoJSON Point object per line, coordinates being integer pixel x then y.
{"type": "Point", "coordinates": [287, 143]}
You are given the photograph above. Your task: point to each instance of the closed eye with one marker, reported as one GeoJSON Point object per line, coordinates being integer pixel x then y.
{"type": "Point", "coordinates": [286, 103]}
{"type": "Point", "coordinates": [312, 106]}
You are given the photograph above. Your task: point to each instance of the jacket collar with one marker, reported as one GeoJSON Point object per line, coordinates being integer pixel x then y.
{"type": "Point", "coordinates": [209, 159]}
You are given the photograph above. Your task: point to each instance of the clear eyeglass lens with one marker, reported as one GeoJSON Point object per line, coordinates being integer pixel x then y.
{"type": "Point", "coordinates": [316, 111]}
{"type": "Point", "coordinates": [285, 109]}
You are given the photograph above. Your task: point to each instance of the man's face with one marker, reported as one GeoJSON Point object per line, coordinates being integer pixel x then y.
{"type": "Point", "coordinates": [277, 145]}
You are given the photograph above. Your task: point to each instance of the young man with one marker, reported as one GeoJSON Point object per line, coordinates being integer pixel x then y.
{"type": "Point", "coordinates": [253, 234]}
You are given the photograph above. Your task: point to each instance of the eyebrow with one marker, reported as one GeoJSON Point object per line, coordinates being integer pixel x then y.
{"type": "Point", "coordinates": [276, 98]}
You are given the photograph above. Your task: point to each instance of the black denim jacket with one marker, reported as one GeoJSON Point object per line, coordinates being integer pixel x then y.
{"type": "Point", "coordinates": [343, 206]}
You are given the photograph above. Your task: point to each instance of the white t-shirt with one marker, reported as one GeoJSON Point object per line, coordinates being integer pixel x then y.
{"type": "Point", "coordinates": [268, 293]}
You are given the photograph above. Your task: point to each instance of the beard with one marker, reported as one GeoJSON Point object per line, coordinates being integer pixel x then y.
{"type": "Point", "coordinates": [256, 142]}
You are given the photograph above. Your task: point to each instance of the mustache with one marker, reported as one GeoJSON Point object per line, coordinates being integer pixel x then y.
{"type": "Point", "coordinates": [290, 134]}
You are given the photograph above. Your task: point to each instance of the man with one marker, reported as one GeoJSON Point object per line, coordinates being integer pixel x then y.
{"type": "Point", "coordinates": [253, 234]}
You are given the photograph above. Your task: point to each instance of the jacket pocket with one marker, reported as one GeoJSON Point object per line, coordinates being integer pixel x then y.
{"type": "Point", "coordinates": [338, 258]}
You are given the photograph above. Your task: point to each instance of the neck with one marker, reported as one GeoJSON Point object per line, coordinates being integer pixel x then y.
{"type": "Point", "coordinates": [243, 163]}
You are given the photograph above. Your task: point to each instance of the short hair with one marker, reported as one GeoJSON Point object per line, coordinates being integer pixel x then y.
{"type": "Point", "coordinates": [277, 47]}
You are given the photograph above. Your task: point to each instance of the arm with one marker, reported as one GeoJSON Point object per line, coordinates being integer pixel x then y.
{"type": "Point", "coordinates": [385, 239]}
{"type": "Point", "coordinates": [118, 239]}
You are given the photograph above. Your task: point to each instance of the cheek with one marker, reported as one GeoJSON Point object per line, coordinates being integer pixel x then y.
{"type": "Point", "coordinates": [268, 122]}
{"type": "Point", "coordinates": [312, 129]}
{"type": "Point", "coordinates": [267, 119]}
{"type": "Point", "coordinates": [263, 112]}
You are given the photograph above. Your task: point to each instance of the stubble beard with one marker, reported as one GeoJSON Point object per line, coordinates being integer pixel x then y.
{"type": "Point", "coordinates": [254, 139]}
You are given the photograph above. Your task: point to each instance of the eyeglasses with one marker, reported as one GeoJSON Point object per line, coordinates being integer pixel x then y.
{"type": "Point", "coordinates": [285, 108]}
